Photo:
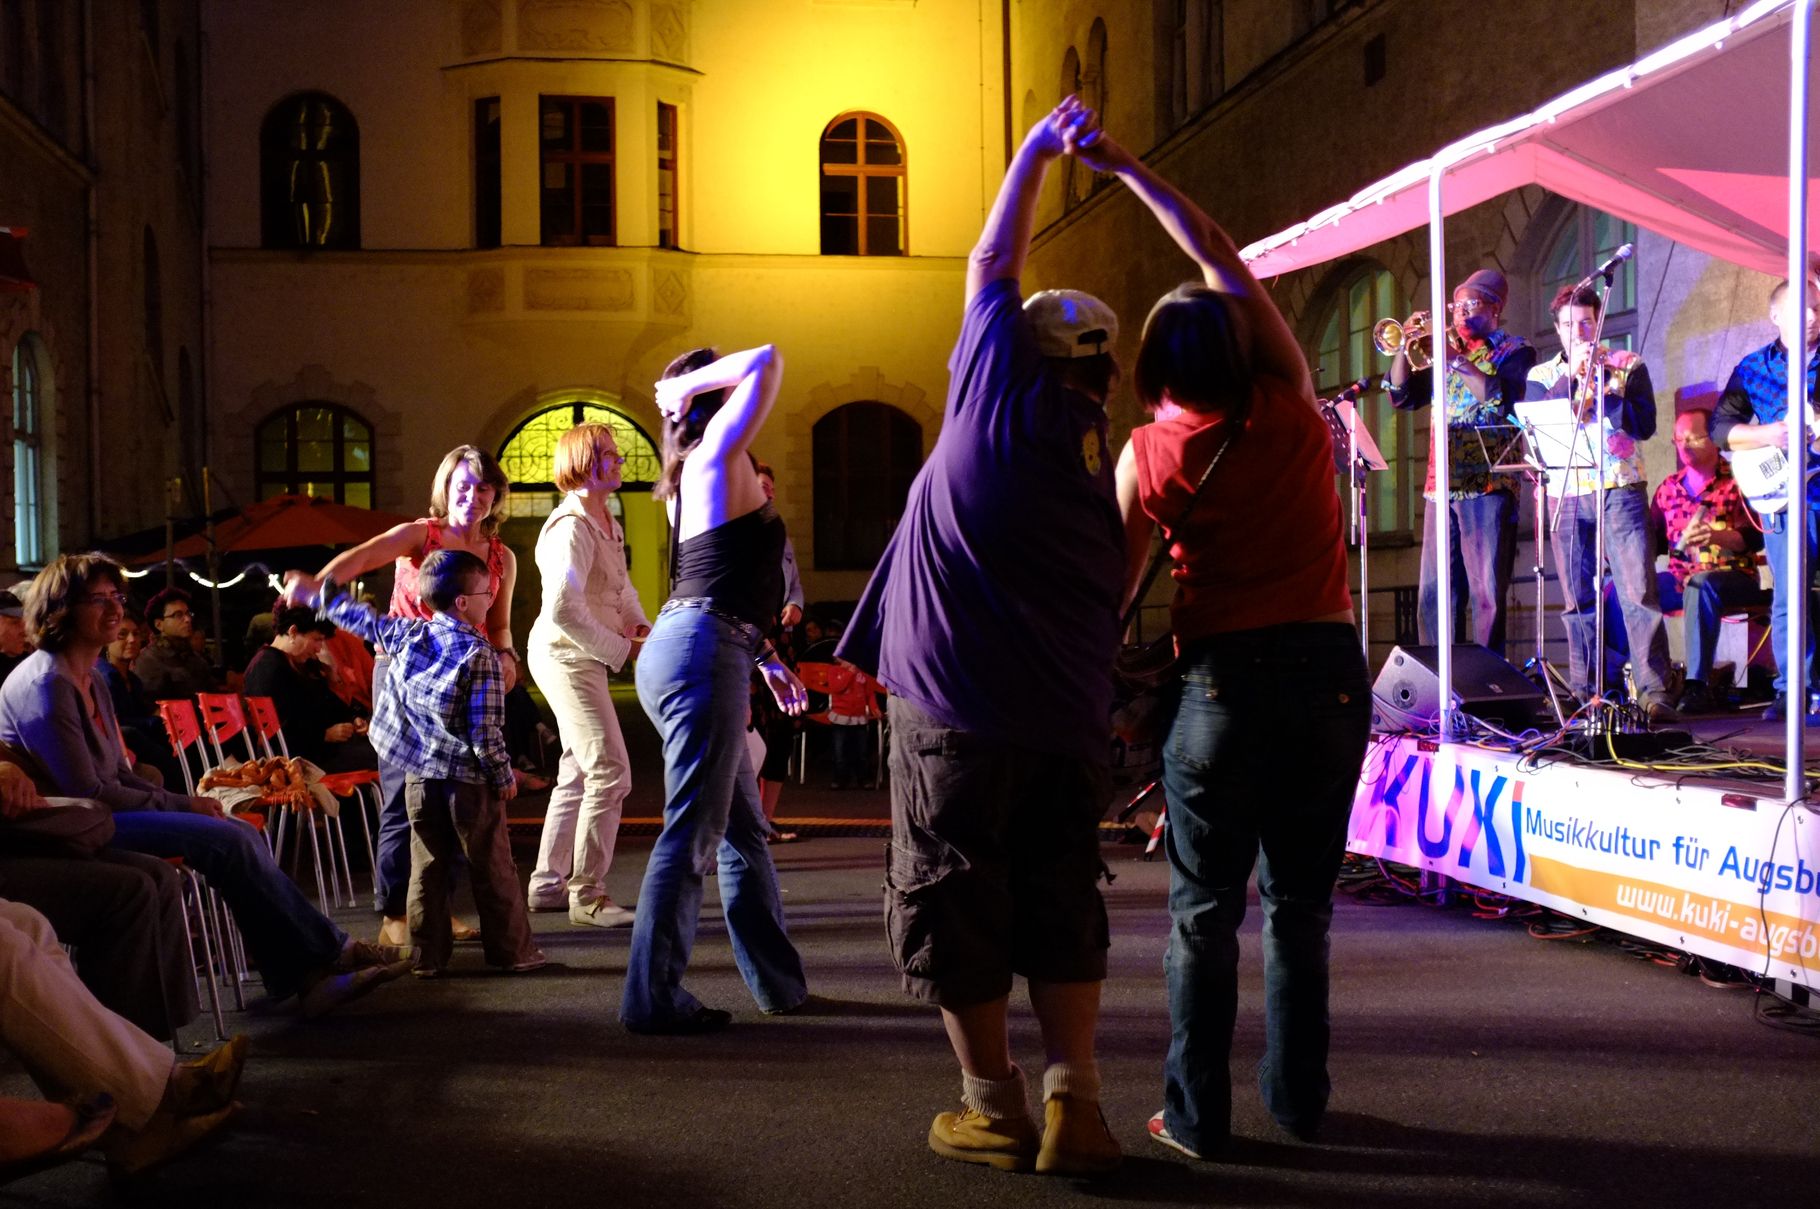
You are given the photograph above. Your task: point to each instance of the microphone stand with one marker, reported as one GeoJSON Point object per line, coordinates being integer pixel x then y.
{"type": "Point", "coordinates": [1597, 369]}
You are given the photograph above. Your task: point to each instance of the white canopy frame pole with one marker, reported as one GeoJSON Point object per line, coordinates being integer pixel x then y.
{"type": "Point", "coordinates": [1438, 434]}
{"type": "Point", "coordinates": [1797, 518]}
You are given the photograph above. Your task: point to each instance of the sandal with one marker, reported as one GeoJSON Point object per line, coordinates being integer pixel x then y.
{"type": "Point", "coordinates": [91, 1119]}
{"type": "Point", "coordinates": [782, 837]}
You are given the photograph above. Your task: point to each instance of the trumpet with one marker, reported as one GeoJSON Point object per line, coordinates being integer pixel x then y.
{"type": "Point", "coordinates": [1412, 338]}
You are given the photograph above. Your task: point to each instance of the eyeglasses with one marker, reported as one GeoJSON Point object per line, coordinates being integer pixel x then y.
{"type": "Point", "coordinates": [1470, 306]}
{"type": "Point", "coordinates": [101, 600]}
{"type": "Point", "coordinates": [171, 614]}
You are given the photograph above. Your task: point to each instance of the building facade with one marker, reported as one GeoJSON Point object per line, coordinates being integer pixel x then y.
{"type": "Point", "coordinates": [440, 222]}
{"type": "Point", "coordinates": [101, 342]}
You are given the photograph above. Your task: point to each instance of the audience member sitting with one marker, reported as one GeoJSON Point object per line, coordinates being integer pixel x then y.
{"type": "Point", "coordinates": [140, 724]}
{"type": "Point", "coordinates": [55, 710]}
{"type": "Point", "coordinates": [169, 665]}
{"type": "Point", "coordinates": [73, 1047]}
{"type": "Point", "coordinates": [350, 670]}
{"type": "Point", "coordinates": [123, 912]}
{"type": "Point", "coordinates": [318, 725]}
{"type": "Point", "coordinates": [13, 647]}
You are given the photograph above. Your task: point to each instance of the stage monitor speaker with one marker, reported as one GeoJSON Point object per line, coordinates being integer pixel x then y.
{"type": "Point", "coordinates": [1484, 685]}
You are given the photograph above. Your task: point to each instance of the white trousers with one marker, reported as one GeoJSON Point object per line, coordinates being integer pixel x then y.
{"type": "Point", "coordinates": [582, 822]}
{"type": "Point", "coordinates": [69, 1043]}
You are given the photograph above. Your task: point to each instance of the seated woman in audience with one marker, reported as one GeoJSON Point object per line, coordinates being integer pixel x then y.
{"type": "Point", "coordinates": [140, 724]}
{"type": "Point", "coordinates": [318, 725]}
{"type": "Point", "coordinates": [56, 711]}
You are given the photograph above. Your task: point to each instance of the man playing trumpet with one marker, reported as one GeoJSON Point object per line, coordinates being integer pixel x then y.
{"type": "Point", "coordinates": [1616, 485]}
{"type": "Point", "coordinates": [1483, 379]}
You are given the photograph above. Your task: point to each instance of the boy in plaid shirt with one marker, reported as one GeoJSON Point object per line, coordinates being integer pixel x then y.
{"type": "Point", "coordinates": [439, 716]}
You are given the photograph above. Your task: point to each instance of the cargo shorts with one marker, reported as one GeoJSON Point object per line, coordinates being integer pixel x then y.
{"type": "Point", "coordinates": [994, 863]}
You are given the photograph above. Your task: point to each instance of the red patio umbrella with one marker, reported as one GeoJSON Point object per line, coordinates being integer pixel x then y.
{"type": "Point", "coordinates": [284, 521]}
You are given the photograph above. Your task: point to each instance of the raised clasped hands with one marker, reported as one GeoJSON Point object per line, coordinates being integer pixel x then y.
{"type": "Point", "coordinates": [673, 395]}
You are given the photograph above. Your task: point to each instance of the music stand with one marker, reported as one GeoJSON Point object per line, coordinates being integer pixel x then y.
{"type": "Point", "coordinates": [1355, 455]}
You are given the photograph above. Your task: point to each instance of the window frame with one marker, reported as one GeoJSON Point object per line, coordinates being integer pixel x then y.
{"type": "Point", "coordinates": [30, 510]}
{"type": "Point", "coordinates": [863, 171]}
{"type": "Point", "coordinates": [575, 158]}
{"type": "Point", "coordinates": [489, 172]}
{"type": "Point", "coordinates": [832, 481]}
{"type": "Point", "coordinates": [1395, 499]}
{"type": "Point", "coordinates": [674, 166]}
{"type": "Point", "coordinates": [294, 480]}
{"type": "Point", "coordinates": [277, 217]}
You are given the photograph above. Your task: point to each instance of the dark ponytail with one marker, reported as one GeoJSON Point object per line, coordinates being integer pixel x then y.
{"type": "Point", "coordinates": [681, 436]}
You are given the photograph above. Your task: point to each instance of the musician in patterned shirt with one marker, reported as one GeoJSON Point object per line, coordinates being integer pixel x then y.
{"type": "Point", "coordinates": [1484, 379]}
{"type": "Point", "coordinates": [1752, 415]}
{"type": "Point", "coordinates": [1711, 535]}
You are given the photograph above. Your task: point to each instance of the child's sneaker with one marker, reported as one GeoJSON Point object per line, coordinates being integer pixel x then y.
{"type": "Point", "coordinates": [1008, 1144]}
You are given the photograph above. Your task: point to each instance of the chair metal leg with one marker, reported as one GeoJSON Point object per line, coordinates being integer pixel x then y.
{"type": "Point", "coordinates": [339, 834]}
{"type": "Point", "coordinates": [198, 895]}
{"type": "Point", "coordinates": [306, 824]}
{"type": "Point", "coordinates": [226, 937]}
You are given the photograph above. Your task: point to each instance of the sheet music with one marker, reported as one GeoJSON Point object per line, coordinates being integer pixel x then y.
{"type": "Point", "coordinates": [1560, 444]}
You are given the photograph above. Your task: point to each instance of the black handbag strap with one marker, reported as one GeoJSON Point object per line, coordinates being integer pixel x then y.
{"type": "Point", "coordinates": [1162, 541]}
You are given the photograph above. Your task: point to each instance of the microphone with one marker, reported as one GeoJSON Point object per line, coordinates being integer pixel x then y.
{"type": "Point", "coordinates": [1351, 393]}
{"type": "Point", "coordinates": [1611, 266]}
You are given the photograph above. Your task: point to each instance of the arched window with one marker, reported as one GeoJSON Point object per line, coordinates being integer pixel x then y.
{"type": "Point", "coordinates": [865, 455]}
{"type": "Point", "coordinates": [1094, 91]}
{"type": "Point", "coordinates": [1344, 355]}
{"type": "Point", "coordinates": [316, 449]}
{"type": "Point", "coordinates": [1072, 173]}
{"type": "Point", "coordinates": [1583, 240]}
{"type": "Point", "coordinates": [309, 167]}
{"type": "Point", "coordinates": [526, 455]}
{"type": "Point", "coordinates": [1192, 45]}
{"type": "Point", "coordinates": [30, 383]}
{"type": "Point", "coordinates": [864, 188]}
{"type": "Point", "coordinates": [154, 306]}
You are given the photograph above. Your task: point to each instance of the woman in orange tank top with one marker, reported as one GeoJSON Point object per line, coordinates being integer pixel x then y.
{"type": "Point", "coordinates": [1264, 754]}
{"type": "Point", "coordinates": [467, 503]}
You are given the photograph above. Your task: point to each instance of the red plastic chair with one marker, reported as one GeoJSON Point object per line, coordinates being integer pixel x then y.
{"type": "Point", "coordinates": [262, 719]}
{"type": "Point", "coordinates": [852, 694]}
{"type": "Point", "coordinates": [226, 718]}
{"type": "Point", "coordinates": [219, 936]}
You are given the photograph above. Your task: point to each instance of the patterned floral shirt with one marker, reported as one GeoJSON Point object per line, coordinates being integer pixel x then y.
{"type": "Point", "coordinates": [1476, 436]}
{"type": "Point", "coordinates": [1721, 504]}
{"type": "Point", "coordinates": [1630, 417]}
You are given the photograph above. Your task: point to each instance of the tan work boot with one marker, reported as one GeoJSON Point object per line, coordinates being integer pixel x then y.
{"type": "Point", "coordinates": [1076, 1140]}
{"type": "Point", "coordinates": [1008, 1144]}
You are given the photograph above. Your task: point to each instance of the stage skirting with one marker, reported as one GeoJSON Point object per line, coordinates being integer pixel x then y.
{"type": "Point", "coordinates": [1716, 871]}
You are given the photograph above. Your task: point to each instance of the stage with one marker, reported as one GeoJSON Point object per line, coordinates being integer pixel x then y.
{"type": "Point", "coordinates": [1688, 853]}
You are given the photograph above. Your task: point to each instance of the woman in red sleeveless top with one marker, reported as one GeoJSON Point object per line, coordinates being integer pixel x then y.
{"type": "Point", "coordinates": [467, 502]}
{"type": "Point", "coordinates": [1264, 754]}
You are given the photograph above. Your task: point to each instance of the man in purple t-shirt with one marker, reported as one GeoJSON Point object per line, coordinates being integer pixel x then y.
{"type": "Point", "coordinates": [993, 620]}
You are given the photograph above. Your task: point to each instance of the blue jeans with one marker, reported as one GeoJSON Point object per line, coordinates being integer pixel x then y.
{"type": "Point", "coordinates": [1708, 597]}
{"type": "Point", "coordinates": [693, 675]}
{"type": "Point", "coordinates": [1775, 549]}
{"type": "Point", "coordinates": [1484, 551]}
{"type": "Point", "coordinates": [1630, 554]}
{"type": "Point", "coordinates": [1260, 767]}
{"type": "Point", "coordinates": [285, 936]}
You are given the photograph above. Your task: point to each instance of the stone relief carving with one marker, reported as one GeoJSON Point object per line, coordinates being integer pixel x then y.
{"type": "Point", "coordinates": [486, 290]}
{"type": "Point", "coordinates": [584, 25]}
{"type": "Point", "coordinates": [578, 290]}
{"type": "Point", "coordinates": [670, 33]}
{"type": "Point", "coordinates": [481, 29]}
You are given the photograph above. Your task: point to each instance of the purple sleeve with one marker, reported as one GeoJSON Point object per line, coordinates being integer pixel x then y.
{"type": "Point", "coordinates": [57, 738]}
{"type": "Point", "coordinates": [996, 351]}
{"type": "Point", "coordinates": [487, 717]}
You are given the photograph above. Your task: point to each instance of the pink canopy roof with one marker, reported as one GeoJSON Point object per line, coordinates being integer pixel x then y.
{"type": "Point", "coordinates": [1690, 141]}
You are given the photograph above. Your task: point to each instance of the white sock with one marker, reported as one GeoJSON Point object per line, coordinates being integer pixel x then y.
{"type": "Point", "coordinates": [1079, 1080]}
{"type": "Point", "coordinates": [1000, 1099]}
